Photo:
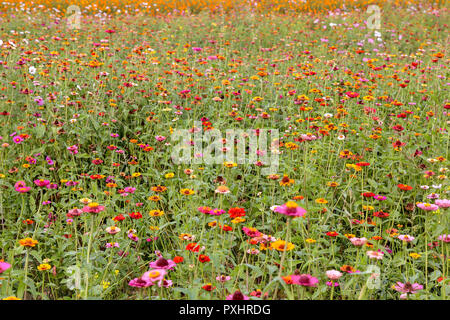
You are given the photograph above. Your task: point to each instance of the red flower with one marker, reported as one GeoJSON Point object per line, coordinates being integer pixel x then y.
{"type": "Point", "coordinates": [118, 218]}
{"type": "Point", "coordinates": [363, 164]}
{"type": "Point", "coordinates": [381, 214]}
{"type": "Point", "coordinates": [178, 259]}
{"type": "Point", "coordinates": [193, 247]}
{"type": "Point", "coordinates": [404, 187]}
{"type": "Point", "coordinates": [203, 258]}
{"type": "Point", "coordinates": [398, 128]}
{"type": "Point", "coordinates": [208, 287]}
{"type": "Point", "coordinates": [236, 212]}
{"type": "Point", "coordinates": [332, 233]}
{"type": "Point", "coordinates": [135, 215]}
{"type": "Point", "coordinates": [368, 194]}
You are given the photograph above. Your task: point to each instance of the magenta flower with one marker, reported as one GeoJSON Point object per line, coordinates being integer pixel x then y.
{"type": "Point", "coordinates": [237, 295]}
{"type": "Point", "coordinates": [290, 209]}
{"type": "Point", "coordinates": [73, 149]}
{"type": "Point", "coordinates": [41, 182]}
{"type": "Point", "coordinates": [4, 266]}
{"type": "Point", "coordinates": [162, 263]}
{"type": "Point", "coordinates": [216, 212]}
{"type": "Point", "coordinates": [305, 280]}
{"type": "Point", "coordinates": [140, 283]}
{"type": "Point", "coordinates": [444, 238]}
{"type": "Point", "coordinates": [18, 139]}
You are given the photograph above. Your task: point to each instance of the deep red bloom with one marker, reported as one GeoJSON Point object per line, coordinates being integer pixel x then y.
{"type": "Point", "coordinates": [332, 233]}
{"type": "Point", "coordinates": [368, 194]}
{"type": "Point", "coordinates": [203, 258]}
{"type": "Point", "coordinates": [135, 215]}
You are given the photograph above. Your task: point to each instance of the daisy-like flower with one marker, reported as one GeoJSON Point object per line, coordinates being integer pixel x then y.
{"type": "Point", "coordinates": [333, 274]}
{"type": "Point", "coordinates": [358, 241]}
{"type": "Point", "coordinates": [237, 295]}
{"type": "Point", "coordinates": [112, 230]}
{"type": "Point", "coordinates": [375, 255]}
{"type": "Point", "coordinates": [162, 263]}
{"type": "Point", "coordinates": [222, 190]}
{"type": "Point", "coordinates": [223, 278]}
{"type": "Point", "coordinates": [291, 209]}
{"type": "Point", "coordinates": [93, 207]}
{"type": "Point", "coordinates": [442, 203]}
{"type": "Point", "coordinates": [427, 206]}
{"type": "Point", "coordinates": [154, 276]}
{"type": "Point", "coordinates": [406, 238]}
{"type": "Point", "coordinates": [408, 287]}
{"type": "Point", "coordinates": [187, 192]}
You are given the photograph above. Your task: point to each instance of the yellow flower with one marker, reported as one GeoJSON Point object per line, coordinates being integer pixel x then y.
{"type": "Point", "coordinates": [321, 200]}
{"type": "Point", "coordinates": [237, 220]}
{"type": "Point", "coordinates": [415, 255]}
{"type": "Point", "coordinates": [281, 245]}
{"type": "Point", "coordinates": [154, 198]}
{"type": "Point", "coordinates": [310, 241]}
{"type": "Point", "coordinates": [44, 267]}
{"type": "Point", "coordinates": [169, 175]}
{"type": "Point", "coordinates": [105, 284]}
{"type": "Point", "coordinates": [156, 213]}
{"type": "Point", "coordinates": [187, 192]}
{"type": "Point", "coordinates": [11, 298]}
{"type": "Point", "coordinates": [136, 174]}
{"type": "Point", "coordinates": [229, 164]}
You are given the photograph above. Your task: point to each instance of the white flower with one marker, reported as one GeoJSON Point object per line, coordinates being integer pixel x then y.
{"type": "Point", "coordinates": [424, 187]}
{"type": "Point", "coordinates": [341, 137]}
{"type": "Point", "coordinates": [327, 115]}
{"type": "Point", "coordinates": [436, 186]}
{"type": "Point", "coordinates": [32, 70]}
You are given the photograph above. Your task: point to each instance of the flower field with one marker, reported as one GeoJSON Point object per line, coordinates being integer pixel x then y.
{"type": "Point", "coordinates": [350, 201]}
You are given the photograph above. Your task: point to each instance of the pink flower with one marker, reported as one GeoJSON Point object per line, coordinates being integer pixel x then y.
{"type": "Point", "coordinates": [73, 149]}
{"type": "Point", "coordinates": [443, 203]}
{"type": "Point", "coordinates": [408, 287]}
{"type": "Point", "coordinates": [140, 283]}
{"type": "Point", "coordinates": [290, 209]}
{"type": "Point", "coordinates": [162, 263]}
{"type": "Point", "coordinates": [41, 182]}
{"type": "Point", "coordinates": [93, 207]}
{"type": "Point", "coordinates": [160, 138]}
{"type": "Point", "coordinates": [4, 266]}
{"type": "Point", "coordinates": [375, 254]}
{"type": "Point", "coordinates": [237, 295]}
{"type": "Point", "coordinates": [305, 280]}
{"type": "Point", "coordinates": [223, 278]}
{"type": "Point", "coordinates": [17, 139]}
{"type": "Point", "coordinates": [406, 238]}
{"type": "Point", "coordinates": [333, 274]}
{"type": "Point", "coordinates": [444, 237]}
{"type": "Point", "coordinates": [358, 241]}
{"type": "Point", "coordinates": [428, 206]}
{"type": "Point", "coordinates": [154, 276]}
{"type": "Point", "coordinates": [197, 49]}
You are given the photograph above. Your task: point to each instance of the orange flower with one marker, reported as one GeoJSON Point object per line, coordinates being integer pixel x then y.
{"type": "Point", "coordinates": [28, 242]}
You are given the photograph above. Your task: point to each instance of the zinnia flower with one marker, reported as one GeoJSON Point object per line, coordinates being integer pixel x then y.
{"type": "Point", "coordinates": [290, 209]}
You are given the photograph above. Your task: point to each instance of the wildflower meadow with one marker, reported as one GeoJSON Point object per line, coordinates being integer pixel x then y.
{"type": "Point", "coordinates": [224, 150]}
